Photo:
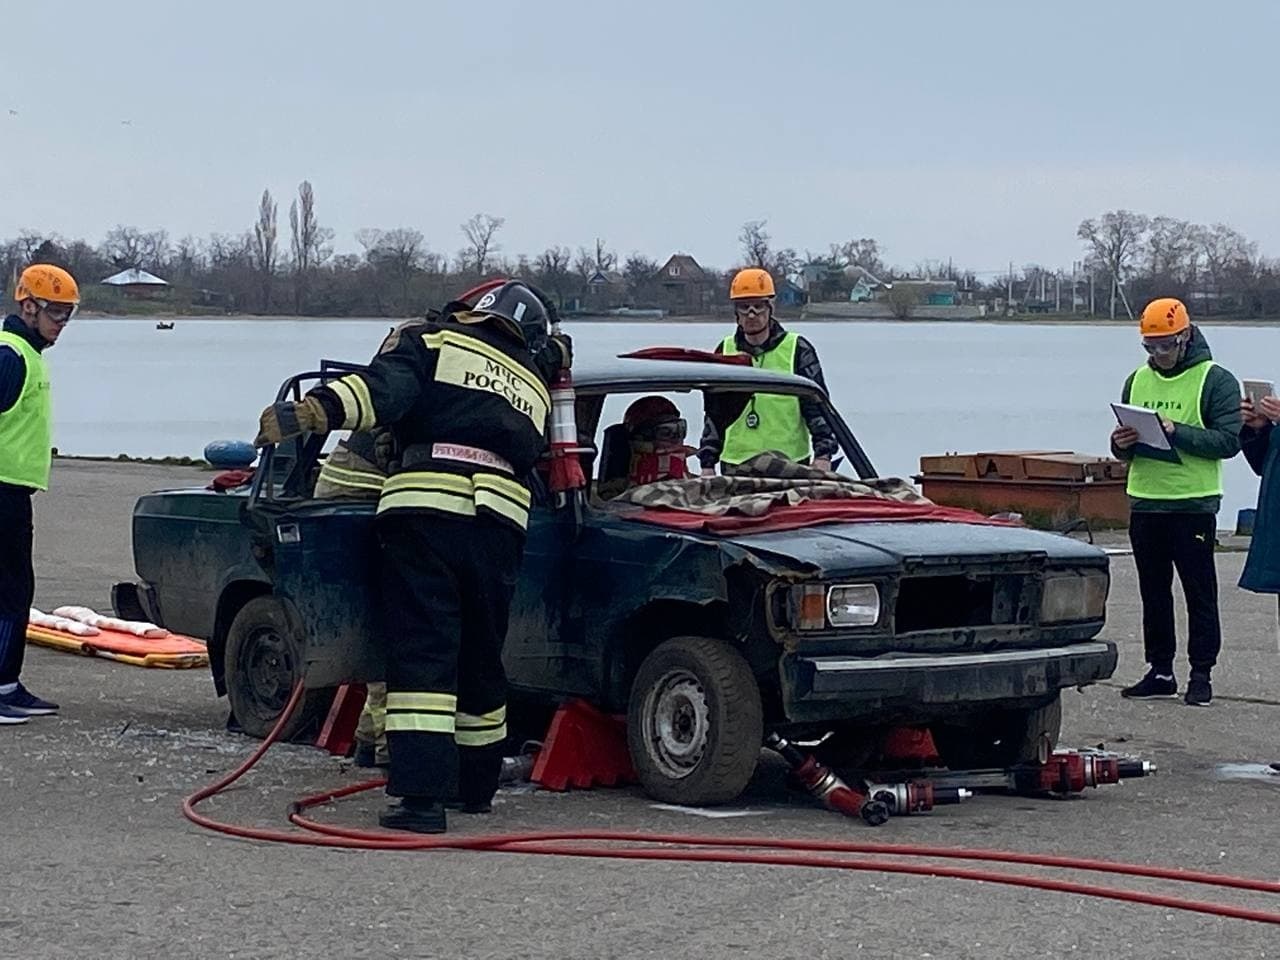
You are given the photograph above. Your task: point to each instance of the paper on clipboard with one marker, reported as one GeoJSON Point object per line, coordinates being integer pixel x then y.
{"type": "Point", "coordinates": [1146, 422]}
{"type": "Point", "coordinates": [1255, 390]}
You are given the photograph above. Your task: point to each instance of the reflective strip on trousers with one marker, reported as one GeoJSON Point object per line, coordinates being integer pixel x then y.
{"type": "Point", "coordinates": [453, 493]}
{"type": "Point", "coordinates": [481, 730]}
{"type": "Point", "coordinates": [355, 479]}
{"type": "Point", "coordinates": [420, 712]}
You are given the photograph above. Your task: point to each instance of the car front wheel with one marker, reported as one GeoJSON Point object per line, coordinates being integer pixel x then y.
{"type": "Point", "coordinates": [694, 722]}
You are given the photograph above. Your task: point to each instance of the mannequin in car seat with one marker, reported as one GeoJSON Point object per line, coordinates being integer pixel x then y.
{"type": "Point", "coordinates": [656, 446]}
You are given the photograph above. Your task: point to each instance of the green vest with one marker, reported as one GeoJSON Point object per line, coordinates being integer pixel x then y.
{"type": "Point", "coordinates": [26, 428]}
{"type": "Point", "coordinates": [1178, 399]}
{"type": "Point", "coordinates": [770, 421]}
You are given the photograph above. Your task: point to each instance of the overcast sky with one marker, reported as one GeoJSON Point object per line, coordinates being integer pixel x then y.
{"type": "Point", "coordinates": [981, 131]}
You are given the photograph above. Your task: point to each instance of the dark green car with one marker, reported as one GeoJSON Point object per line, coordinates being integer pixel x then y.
{"type": "Point", "coordinates": [704, 640]}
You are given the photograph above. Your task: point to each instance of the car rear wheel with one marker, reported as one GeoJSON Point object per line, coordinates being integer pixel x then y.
{"type": "Point", "coordinates": [264, 660]}
{"type": "Point", "coordinates": [1000, 738]}
{"type": "Point", "coordinates": [694, 722]}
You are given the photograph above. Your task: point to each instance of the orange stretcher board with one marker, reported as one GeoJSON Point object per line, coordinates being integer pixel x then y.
{"type": "Point", "coordinates": [174, 652]}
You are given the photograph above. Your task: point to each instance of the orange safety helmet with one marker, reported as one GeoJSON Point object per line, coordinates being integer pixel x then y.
{"type": "Point", "coordinates": [1164, 318]}
{"type": "Point", "coordinates": [751, 283]}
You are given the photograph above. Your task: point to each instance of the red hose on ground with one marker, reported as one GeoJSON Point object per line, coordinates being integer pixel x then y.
{"type": "Point", "coordinates": [706, 849]}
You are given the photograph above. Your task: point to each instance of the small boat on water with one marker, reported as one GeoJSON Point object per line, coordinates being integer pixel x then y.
{"type": "Point", "coordinates": [162, 325]}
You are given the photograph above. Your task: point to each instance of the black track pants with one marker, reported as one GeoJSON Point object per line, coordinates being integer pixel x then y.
{"type": "Point", "coordinates": [17, 580]}
{"type": "Point", "coordinates": [1162, 543]}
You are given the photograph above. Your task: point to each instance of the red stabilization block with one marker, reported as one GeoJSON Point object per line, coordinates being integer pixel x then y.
{"type": "Point", "coordinates": [910, 743]}
{"type": "Point", "coordinates": [339, 730]}
{"type": "Point", "coordinates": [584, 748]}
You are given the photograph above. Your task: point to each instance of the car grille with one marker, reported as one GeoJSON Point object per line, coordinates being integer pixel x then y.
{"type": "Point", "coordinates": [964, 600]}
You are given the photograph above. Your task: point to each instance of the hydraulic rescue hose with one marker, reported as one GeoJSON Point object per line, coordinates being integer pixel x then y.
{"type": "Point", "coordinates": [827, 854]}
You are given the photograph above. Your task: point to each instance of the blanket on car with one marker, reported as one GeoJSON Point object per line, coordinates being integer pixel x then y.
{"type": "Point", "coordinates": [770, 492]}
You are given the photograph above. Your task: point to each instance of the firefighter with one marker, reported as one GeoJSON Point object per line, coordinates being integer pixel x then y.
{"type": "Point", "coordinates": [356, 470]}
{"type": "Point", "coordinates": [47, 300]}
{"type": "Point", "coordinates": [466, 397]}
{"type": "Point", "coordinates": [770, 422]}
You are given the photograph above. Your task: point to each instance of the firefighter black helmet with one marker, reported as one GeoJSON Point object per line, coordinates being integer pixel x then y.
{"type": "Point", "coordinates": [520, 307]}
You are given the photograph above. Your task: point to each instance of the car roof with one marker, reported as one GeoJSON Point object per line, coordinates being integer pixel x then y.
{"type": "Point", "coordinates": [622, 373]}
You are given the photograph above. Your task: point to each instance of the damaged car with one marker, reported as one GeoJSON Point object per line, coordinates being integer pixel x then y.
{"type": "Point", "coordinates": [708, 610]}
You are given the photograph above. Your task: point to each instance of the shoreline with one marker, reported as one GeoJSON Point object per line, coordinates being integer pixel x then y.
{"type": "Point", "coordinates": [1058, 320]}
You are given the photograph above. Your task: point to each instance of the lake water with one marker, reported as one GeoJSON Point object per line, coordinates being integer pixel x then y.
{"type": "Point", "coordinates": [907, 389]}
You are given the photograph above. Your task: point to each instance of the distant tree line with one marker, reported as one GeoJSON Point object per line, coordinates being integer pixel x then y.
{"type": "Point", "coordinates": [291, 268]}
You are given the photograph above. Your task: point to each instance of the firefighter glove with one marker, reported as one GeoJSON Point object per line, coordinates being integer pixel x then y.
{"type": "Point", "coordinates": [564, 344]}
{"type": "Point", "coordinates": [284, 420]}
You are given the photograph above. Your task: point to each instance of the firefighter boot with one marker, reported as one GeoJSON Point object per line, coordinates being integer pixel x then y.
{"type": "Point", "coordinates": [415, 814]}
{"type": "Point", "coordinates": [478, 771]}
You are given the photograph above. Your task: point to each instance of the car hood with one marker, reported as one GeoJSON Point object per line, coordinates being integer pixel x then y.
{"type": "Point", "coordinates": [887, 547]}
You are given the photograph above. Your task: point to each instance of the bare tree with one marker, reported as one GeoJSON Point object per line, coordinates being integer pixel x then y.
{"type": "Point", "coordinates": [368, 237]}
{"type": "Point", "coordinates": [399, 253]}
{"type": "Point", "coordinates": [638, 271]}
{"type": "Point", "coordinates": [606, 259]}
{"type": "Point", "coordinates": [755, 243]}
{"type": "Point", "coordinates": [552, 269]}
{"type": "Point", "coordinates": [264, 247]}
{"type": "Point", "coordinates": [1171, 251]}
{"type": "Point", "coordinates": [479, 231]}
{"type": "Point", "coordinates": [309, 242]}
{"type": "Point", "coordinates": [1116, 239]}
{"type": "Point", "coordinates": [902, 299]}
{"type": "Point", "coordinates": [784, 263]}
{"type": "Point", "coordinates": [123, 246]}
{"type": "Point", "coordinates": [864, 253]}
{"type": "Point", "coordinates": [188, 259]}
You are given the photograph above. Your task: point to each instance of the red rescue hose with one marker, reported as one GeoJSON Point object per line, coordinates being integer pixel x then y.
{"type": "Point", "coordinates": [708, 849]}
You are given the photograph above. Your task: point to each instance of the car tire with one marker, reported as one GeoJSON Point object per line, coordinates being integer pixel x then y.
{"type": "Point", "coordinates": [1000, 738]}
{"type": "Point", "coordinates": [264, 661]}
{"type": "Point", "coordinates": [694, 722]}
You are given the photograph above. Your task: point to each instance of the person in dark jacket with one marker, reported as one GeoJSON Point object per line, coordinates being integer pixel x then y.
{"type": "Point", "coordinates": [466, 397]}
{"type": "Point", "coordinates": [1174, 506]}
{"type": "Point", "coordinates": [769, 422]}
{"type": "Point", "coordinates": [1260, 442]}
{"type": "Point", "coordinates": [47, 299]}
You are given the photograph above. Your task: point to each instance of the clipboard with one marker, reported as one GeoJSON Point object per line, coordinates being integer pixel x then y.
{"type": "Point", "coordinates": [1153, 443]}
{"type": "Point", "coordinates": [1255, 390]}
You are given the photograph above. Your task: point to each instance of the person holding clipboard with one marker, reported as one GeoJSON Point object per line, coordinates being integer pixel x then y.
{"type": "Point", "coordinates": [1175, 491]}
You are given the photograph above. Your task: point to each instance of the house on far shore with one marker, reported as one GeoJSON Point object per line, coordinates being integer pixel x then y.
{"type": "Point", "coordinates": [136, 282]}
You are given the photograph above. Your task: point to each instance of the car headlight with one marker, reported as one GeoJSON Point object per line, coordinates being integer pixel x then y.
{"type": "Point", "coordinates": [1076, 595]}
{"type": "Point", "coordinates": [816, 606]}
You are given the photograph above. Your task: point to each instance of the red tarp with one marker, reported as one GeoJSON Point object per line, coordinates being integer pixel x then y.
{"type": "Point", "coordinates": [687, 353]}
{"type": "Point", "coordinates": [810, 513]}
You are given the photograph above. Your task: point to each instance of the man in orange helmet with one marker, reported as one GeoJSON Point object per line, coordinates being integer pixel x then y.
{"type": "Point", "coordinates": [770, 421]}
{"type": "Point", "coordinates": [1174, 505]}
{"type": "Point", "coordinates": [47, 300]}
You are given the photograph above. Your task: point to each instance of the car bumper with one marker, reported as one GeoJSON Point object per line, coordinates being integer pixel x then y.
{"type": "Point", "coordinates": [844, 687]}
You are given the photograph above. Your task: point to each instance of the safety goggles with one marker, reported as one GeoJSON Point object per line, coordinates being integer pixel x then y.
{"type": "Point", "coordinates": [749, 308]}
{"type": "Point", "coordinates": [667, 431]}
{"type": "Point", "coordinates": [1162, 346]}
{"type": "Point", "coordinates": [59, 313]}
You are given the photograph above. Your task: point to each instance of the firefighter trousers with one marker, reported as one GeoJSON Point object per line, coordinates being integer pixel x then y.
{"type": "Point", "coordinates": [447, 586]}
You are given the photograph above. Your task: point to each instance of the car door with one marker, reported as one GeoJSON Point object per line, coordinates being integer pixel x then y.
{"type": "Point", "coordinates": [545, 650]}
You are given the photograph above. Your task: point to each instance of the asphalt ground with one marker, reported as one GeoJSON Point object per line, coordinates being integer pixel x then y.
{"type": "Point", "coordinates": [98, 861]}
